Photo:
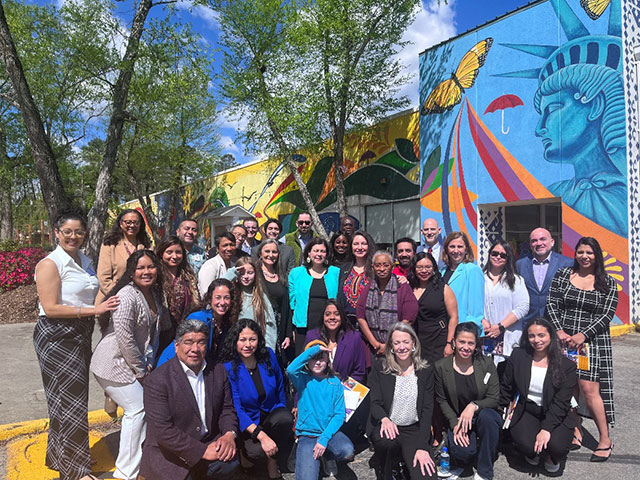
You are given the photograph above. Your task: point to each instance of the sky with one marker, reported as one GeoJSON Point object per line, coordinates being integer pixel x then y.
{"type": "Point", "coordinates": [434, 23]}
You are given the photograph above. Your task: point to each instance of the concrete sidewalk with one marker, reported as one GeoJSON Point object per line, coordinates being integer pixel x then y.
{"type": "Point", "coordinates": [22, 398]}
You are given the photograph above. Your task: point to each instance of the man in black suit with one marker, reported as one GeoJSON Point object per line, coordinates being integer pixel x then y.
{"type": "Point", "coordinates": [538, 271]}
{"type": "Point", "coordinates": [192, 424]}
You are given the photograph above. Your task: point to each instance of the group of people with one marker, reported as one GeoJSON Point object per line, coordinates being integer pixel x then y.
{"type": "Point", "coordinates": [238, 356]}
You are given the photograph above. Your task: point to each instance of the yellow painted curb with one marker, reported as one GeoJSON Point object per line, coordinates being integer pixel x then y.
{"type": "Point", "coordinates": [618, 330]}
{"type": "Point", "coordinates": [14, 430]}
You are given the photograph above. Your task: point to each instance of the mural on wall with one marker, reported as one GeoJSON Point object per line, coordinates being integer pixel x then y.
{"type": "Point", "coordinates": [381, 162]}
{"type": "Point", "coordinates": [535, 109]}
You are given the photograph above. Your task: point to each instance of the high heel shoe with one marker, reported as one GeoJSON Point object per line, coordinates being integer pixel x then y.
{"type": "Point", "coordinates": [575, 446]}
{"type": "Point", "coordinates": [597, 458]}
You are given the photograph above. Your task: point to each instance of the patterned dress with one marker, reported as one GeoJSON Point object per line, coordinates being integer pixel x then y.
{"type": "Point", "coordinates": [588, 312]}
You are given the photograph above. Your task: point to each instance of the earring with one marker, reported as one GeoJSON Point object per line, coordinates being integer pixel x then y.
{"type": "Point", "coordinates": [393, 351]}
{"type": "Point", "coordinates": [326, 262]}
{"type": "Point", "coordinates": [413, 349]}
{"type": "Point", "coordinates": [308, 258]}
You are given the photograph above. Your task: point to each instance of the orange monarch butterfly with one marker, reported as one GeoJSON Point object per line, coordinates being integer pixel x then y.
{"type": "Point", "coordinates": [448, 93]}
{"type": "Point", "coordinates": [594, 8]}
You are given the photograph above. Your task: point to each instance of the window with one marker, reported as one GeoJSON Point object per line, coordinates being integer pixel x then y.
{"type": "Point", "coordinates": [520, 220]}
{"type": "Point", "coordinates": [386, 222]}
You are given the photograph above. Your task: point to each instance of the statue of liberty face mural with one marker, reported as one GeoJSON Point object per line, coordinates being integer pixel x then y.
{"type": "Point", "coordinates": [580, 99]}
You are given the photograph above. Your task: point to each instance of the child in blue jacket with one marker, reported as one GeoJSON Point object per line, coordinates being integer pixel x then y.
{"type": "Point", "coordinates": [321, 413]}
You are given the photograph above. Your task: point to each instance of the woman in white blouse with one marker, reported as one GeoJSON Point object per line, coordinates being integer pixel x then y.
{"type": "Point", "coordinates": [506, 302]}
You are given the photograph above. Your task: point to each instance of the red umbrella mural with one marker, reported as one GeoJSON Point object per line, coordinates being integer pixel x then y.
{"type": "Point", "coordinates": [501, 103]}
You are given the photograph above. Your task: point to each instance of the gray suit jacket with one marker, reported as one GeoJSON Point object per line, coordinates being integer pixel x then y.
{"type": "Point", "coordinates": [538, 297]}
{"type": "Point", "coordinates": [286, 261]}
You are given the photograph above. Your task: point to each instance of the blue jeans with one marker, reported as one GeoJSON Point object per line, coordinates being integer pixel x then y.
{"type": "Point", "coordinates": [205, 470]}
{"type": "Point", "coordinates": [339, 448]}
{"type": "Point", "coordinates": [483, 441]}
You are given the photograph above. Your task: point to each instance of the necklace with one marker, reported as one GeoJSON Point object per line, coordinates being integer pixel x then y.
{"type": "Point", "coordinates": [269, 274]}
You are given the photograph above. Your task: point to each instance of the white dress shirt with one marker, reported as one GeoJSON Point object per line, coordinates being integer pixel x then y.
{"type": "Point", "coordinates": [197, 386]}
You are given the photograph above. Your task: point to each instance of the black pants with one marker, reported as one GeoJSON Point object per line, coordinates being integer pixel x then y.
{"type": "Point", "coordinates": [279, 426]}
{"type": "Point", "coordinates": [409, 439]}
{"type": "Point", "coordinates": [301, 339]}
{"type": "Point", "coordinates": [524, 432]}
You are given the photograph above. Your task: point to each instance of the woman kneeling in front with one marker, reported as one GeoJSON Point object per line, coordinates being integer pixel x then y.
{"type": "Point", "coordinates": [542, 380]}
{"type": "Point", "coordinates": [401, 406]}
{"type": "Point", "coordinates": [467, 390]}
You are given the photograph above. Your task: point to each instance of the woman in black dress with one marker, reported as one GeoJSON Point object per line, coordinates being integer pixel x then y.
{"type": "Point", "coordinates": [437, 308]}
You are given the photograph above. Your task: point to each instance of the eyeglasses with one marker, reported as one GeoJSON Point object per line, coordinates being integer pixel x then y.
{"type": "Point", "coordinates": [67, 232]}
{"type": "Point", "coordinates": [131, 223]}
{"type": "Point", "coordinates": [304, 222]}
{"type": "Point", "coordinates": [427, 268]}
{"type": "Point", "coordinates": [503, 256]}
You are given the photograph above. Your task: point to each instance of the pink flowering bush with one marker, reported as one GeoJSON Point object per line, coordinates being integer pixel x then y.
{"type": "Point", "coordinates": [17, 267]}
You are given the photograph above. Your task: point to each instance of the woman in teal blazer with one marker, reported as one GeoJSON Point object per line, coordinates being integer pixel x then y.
{"type": "Point", "coordinates": [310, 286]}
{"type": "Point", "coordinates": [464, 277]}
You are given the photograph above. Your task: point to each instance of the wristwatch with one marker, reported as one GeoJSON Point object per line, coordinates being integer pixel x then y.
{"type": "Point", "coordinates": [501, 328]}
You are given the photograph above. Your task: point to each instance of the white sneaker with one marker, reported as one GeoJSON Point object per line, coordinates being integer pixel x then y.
{"type": "Point", "coordinates": [478, 477]}
{"type": "Point", "coordinates": [551, 467]}
{"type": "Point", "coordinates": [453, 474]}
{"type": "Point", "coordinates": [535, 461]}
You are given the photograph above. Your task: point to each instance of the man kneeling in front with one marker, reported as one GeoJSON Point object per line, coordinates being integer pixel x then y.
{"type": "Point", "coordinates": [191, 421]}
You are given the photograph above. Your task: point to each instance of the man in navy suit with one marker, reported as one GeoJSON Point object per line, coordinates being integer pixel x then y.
{"type": "Point", "coordinates": [538, 271]}
{"type": "Point", "coordinates": [192, 424]}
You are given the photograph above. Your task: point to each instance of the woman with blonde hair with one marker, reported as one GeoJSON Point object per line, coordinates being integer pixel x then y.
{"type": "Point", "coordinates": [253, 303]}
{"type": "Point", "coordinates": [401, 406]}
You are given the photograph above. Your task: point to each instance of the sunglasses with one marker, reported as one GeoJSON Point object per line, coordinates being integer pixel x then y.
{"type": "Point", "coordinates": [504, 256]}
{"type": "Point", "coordinates": [304, 222]}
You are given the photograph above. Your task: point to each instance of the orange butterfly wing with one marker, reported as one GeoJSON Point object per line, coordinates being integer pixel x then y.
{"type": "Point", "coordinates": [447, 94]}
{"type": "Point", "coordinates": [594, 8]}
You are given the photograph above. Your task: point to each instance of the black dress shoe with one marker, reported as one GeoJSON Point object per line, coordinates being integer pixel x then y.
{"type": "Point", "coordinates": [598, 459]}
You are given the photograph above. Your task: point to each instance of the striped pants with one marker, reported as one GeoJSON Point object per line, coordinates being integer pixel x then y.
{"type": "Point", "coordinates": [63, 347]}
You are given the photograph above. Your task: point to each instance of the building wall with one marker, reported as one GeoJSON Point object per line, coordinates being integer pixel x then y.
{"type": "Point", "coordinates": [381, 164]}
{"type": "Point", "coordinates": [544, 118]}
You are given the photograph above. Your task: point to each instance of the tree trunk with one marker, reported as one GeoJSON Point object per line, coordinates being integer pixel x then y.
{"type": "Point", "coordinates": [98, 214]}
{"type": "Point", "coordinates": [315, 218]}
{"type": "Point", "coordinates": [338, 166]}
{"type": "Point", "coordinates": [44, 160]}
{"type": "Point", "coordinates": [6, 182]}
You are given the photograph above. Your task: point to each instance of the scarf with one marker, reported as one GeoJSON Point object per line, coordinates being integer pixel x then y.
{"type": "Point", "coordinates": [382, 309]}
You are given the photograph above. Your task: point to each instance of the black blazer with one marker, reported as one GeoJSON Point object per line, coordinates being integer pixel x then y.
{"type": "Point", "coordinates": [556, 401]}
{"type": "Point", "coordinates": [173, 445]}
{"type": "Point", "coordinates": [486, 376]}
{"type": "Point", "coordinates": [383, 386]}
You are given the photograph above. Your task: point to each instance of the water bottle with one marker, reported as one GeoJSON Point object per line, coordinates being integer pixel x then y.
{"type": "Point", "coordinates": [445, 464]}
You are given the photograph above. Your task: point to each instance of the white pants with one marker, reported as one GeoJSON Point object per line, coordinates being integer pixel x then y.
{"type": "Point", "coordinates": [134, 426]}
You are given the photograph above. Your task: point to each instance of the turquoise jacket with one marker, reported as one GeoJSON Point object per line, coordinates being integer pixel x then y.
{"type": "Point", "coordinates": [299, 287]}
{"type": "Point", "coordinates": [321, 410]}
{"type": "Point", "coordinates": [467, 282]}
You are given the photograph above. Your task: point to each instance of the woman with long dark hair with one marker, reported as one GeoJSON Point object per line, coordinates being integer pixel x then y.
{"type": "Point", "coordinates": [127, 235]}
{"type": "Point", "coordinates": [581, 304]}
{"type": "Point", "coordinates": [468, 390]}
{"type": "Point", "coordinates": [252, 302]}
{"type": "Point", "coordinates": [464, 277]}
{"type": "Point", "coordinates": [274, 280]}
{"type": "Point", "coordinates": [126, 353]}
{"type": "Point", "coordinates": [340, 245]}
{"type": "Point", "coordinates": [506, 302]}
{"type": "Point", "coordinates": [67, 287]}
{"type": "Point", "coordinates": [540, 381]}
{"type": "Point", "coordinates": [310, 286]}
{"type": "Point", "coordinates": [401, 406]}
{"type": "Point", "coordinates": [179, 286]}
{"type": "Point", "coordinates": [437, 308]}
{"type": "Point", "coordinates": [258, 389]}
{"type": "Point", "coordinates": [356, 274]}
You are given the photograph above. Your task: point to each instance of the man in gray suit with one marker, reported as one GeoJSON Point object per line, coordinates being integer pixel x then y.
{"type": "Point", "coordinates": [538, 271]}
{"type": "Point", "coordinates": [287, 258]}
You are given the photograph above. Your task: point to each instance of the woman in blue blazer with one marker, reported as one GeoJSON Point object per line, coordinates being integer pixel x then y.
{"type": "Point", "coordinates": [310, 286]}
{"type": "Point", "coordinates": [257, 385]}
{"type": "Point", "coordinates": [464, 277]}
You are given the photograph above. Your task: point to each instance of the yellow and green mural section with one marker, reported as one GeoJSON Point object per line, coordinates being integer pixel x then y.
{"type": "Point", "coordinates": [382, 162]}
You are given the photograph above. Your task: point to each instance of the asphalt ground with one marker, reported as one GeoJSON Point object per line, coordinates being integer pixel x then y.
{"type": "Point", "coordinates": [22, 399]}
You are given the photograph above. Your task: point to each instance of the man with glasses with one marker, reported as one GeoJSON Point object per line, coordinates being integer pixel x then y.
{"type": "Point", "coordinates": [539, 269]}
{"type": "Point", "coordinates": [298, 239]}
{"type": "Point", "coordinates": [251, 227]}
{"type": "Point", "coordinates": [187, 232]}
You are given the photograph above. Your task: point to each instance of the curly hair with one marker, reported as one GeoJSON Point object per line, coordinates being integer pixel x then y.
{"type": "Point", "coordinates": [184, 273]}
{"type": "Point", "coordinates": [232, 314]}
{"type": "Point", "coordinates": [509, 266]}
{"type": "Point", "coordinates": [70, 214]}
{"type": "Point", "coordinates": [116, 234]}
{"type": "Point", "coordinates": [230, 350]}
{"type": "Point", "coordinates": [412, 276]}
